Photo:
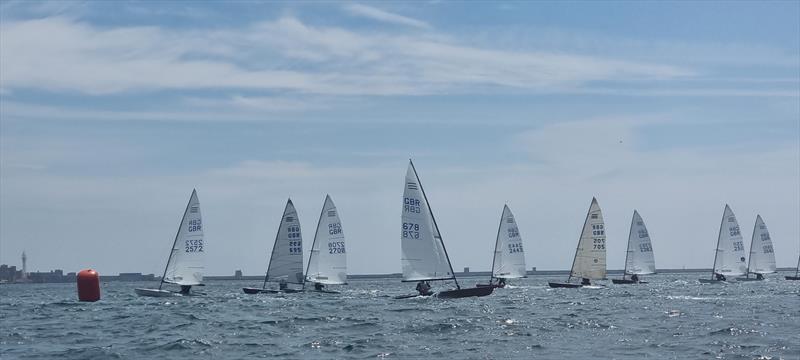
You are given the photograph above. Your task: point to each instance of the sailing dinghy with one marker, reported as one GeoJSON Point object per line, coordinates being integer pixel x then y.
{"type": "Point", "coordinates": [639, 259]}
{"type": "Point", "coordinates": [186, 260]}
{"type": "Point", "coordinates": [286, 260]}
{"type": "Point", "coordinates": [796, 272]}
{"type": "Point", "coordinates": [509, 257]}
{"type": "Point", "coordinates": [762, 255]}
{"type": "Point", "coordinates": [729, 258]}
{"type": "Point", "coordinates": [590, 255]}
{"type": "Point", "coordinates": [327, 264]}
{"type": "Point", "coordinates": [423, 254]}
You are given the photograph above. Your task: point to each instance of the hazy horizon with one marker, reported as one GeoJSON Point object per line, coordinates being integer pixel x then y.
{"type": "Point", "coordinates": [112, 112]}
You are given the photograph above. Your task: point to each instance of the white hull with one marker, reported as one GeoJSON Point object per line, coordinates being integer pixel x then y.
{"type": "Point", "coordinates": [155, 293]}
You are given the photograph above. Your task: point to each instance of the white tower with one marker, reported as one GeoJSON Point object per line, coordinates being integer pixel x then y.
{"type": "Point", "coordinates": [24, 266]}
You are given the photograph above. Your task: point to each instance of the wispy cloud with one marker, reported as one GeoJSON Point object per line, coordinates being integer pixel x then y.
{"type": "Point", "coordinates": [384, 16]}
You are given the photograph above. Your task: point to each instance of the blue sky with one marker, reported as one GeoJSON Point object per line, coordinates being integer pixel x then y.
{"type": "Point", "coordinates": [111, 112]}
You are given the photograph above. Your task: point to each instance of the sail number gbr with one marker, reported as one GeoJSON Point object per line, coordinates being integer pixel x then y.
{"type": "Point", "coordinates": [411, 205]}
{"type": "Point", "coordinates": [195, 225]}
{"type": "Point", "coordinates": [410, 231]}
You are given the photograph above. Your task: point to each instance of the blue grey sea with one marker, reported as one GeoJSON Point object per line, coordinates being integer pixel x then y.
{"type": "Point", "coordinates": [672, 317]}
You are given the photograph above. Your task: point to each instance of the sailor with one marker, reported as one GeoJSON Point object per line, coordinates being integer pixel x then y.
{"type": "Point", "coordinates": [501, 282]}
{"type": "Point", "coordinates": [318, 286]}
{"type": "Point", "coordinates": [635, 278]}
{"type": "Point", "coordinates": [759, 276]}
{"type": "Point", "coordinates": [424, 288]}
{"type": "Point", "coordinates": [185, 289]}
{"type": "Point", "coordinates": [282, 285]}
{"type": "Point", "coordinates": [719, 277]}
{"type": "Point", "coordinates": [585, 281]}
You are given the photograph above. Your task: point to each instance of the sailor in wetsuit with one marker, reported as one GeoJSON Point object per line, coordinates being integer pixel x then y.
{"type": "Point", "coordinates": [759, 276]}
{"type": "Point", "coordinates": [501, 282]}
{"type": "Point", "coordinates": [635, 278]}
{"type": "Point", "coordinates": [585, 281]}
{"type": "Point", "coordinates": [319, 286]}
{"type": "Point", "coordinates": [282, 285]}
{"type": "Point", "coordinates": [185, 289]}
{"type": "Point", "coordinates": [720, 277]}
{"type": "Point", "coordinates": [424, 288]}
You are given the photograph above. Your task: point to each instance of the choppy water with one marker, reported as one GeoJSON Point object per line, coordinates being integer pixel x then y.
{"type": "Point", "coordinates": [671, 317]}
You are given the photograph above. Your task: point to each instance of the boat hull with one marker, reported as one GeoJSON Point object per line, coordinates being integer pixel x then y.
{"type": "Point", "coordinates": [249, 290]}
{"type": "Point", "coordinates": [711, 281]}
{"type": "Point", "coordinates": [564, 285]}
{"type": "Point", "coordinates": [466, 292]}
{"type": "Point", "coordinates": [490, 285]}
{"type": "Point", "coordinates": [409, 296]}
{"type": "Point", "coordinates": [626, 281]}
{"type": "Point", "coordinates": [792, 277]}
{"type": "Point", "coordinates": [155, 293]}
{"type": "Point", "coordinates": [748, 279]}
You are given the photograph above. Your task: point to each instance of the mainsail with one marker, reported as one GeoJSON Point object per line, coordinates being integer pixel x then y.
{"type": "Point", "coordinates": [729, 259]}
{"type": "Point", "coordinates": [327, 263]}
{"type": "Point", "coordinates": [762, 256]}
{"type": "Point", "coordinates": [187, 260]}
{"type": "Point", "coordinates": [423, 254]}
{"type": "Point", "coordinates": [590, 256]}
{"type": "Point", "coordinates": [509, 257]}
{"type": "Point", "coordinates": [639, 259]}
{"type": "Point", "coordinates": [286, 261]}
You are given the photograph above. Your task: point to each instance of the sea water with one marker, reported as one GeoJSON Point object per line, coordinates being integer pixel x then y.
{"type": "Point", "coordinates": [671, 317]}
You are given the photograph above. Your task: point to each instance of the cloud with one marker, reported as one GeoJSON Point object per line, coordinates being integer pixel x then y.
{"type": "Point", "coordinates": [61, 54]}
{"type": "Point", "coordinates": [384, 16]}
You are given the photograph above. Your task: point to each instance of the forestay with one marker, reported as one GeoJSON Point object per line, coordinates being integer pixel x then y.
{"type": "Point", "coordinates": [639, 259]}
{"type": "Point", "coordinates": [327, 263]}
{"type": "Point", "coordinates": [509, 257]}
{"type": "Point", "coordinates": [422, 253]}
{"type": "Point", "coordinates": [730, 258]}
{"type": "Point", "coordinates": [286, 261]}
{"type": "Point", "coordinates": [762, 256]}
{"type": "Point", "coordinates": [187, 261]}
{"type": "Point", "coordinates": [590, 257]}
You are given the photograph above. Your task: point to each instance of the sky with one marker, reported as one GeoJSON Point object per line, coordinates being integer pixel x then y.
{"type": "Point", "coordinates": [112, 112]}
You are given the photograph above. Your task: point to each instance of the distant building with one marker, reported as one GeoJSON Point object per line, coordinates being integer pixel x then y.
{"type": "Point", "coordinates": [237, 274]}
{"type": "Point", "coordinates": [24, 266]}
{"type": "Point", "coordinates": [466, 269]}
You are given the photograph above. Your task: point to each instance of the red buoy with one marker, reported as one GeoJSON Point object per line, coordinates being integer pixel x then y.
{"type": "Point", "coordinates": [88, 285]}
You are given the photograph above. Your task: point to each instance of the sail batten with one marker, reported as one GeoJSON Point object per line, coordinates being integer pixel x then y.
{"type": "Point", "coordinates": [509, 256]}
{"type": "Point", "coordinates": [639, 259]}
{"type": "Point", "coordinates": [327, 263]}
{"type": "Point", "coordinates": [730, 254]}
{"type": "Point", "coordinates": [286, 259]}
{"type": "Point", "coordinates": [186, 263]}
{"type": "Point", "coordinates": [590, 255]}
{"type": "Point", "coordinates": [422, 252]}
{"type": "Point", "coordinates": [762, 255]}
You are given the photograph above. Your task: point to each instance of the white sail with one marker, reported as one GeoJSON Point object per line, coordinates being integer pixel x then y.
{"type": "Point", "coordinates": [286, 261]}
{"type": "Point", "coordinates": [639, 259]}
{"type": "Point", "coordinates": [187, 260]}
{"type": "Point", "coordinates": [762, 256]}
{"type": "Point", "coordinates": [509, 257]}
{"type": "Point", "coordinates": [590, 257]}
{"type": "Point", "coordinates": [730, 258]}
{"type": "Point", "coordinates": [327, 263]}
{"type": "Point", "coordinates": [422, 252]}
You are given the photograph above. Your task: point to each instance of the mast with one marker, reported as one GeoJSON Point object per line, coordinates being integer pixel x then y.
{"type": "Point", "coordinates": [275, 244]}
{"type": "Point", "coordinates": [719, 237]}
{"type": "Point", "coordinates": [441, 241]}
{"type": "Point", "coordinates": [577, 247]}
{"type": "Point", "coordinates": [628, 249]}
{"type": "Point", "coordinates": [752, 241]}
{"type": "Point", "coordinates": [305, 278]}
{"type": "Point", "coordinates": [497, 242]}
{"type": "Point", "coordinates": [797, 271]}
{"type": "Point", "coordinates": [194, 191]}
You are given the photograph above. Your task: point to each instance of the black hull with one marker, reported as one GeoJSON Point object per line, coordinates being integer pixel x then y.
{"type": "Point", "coordinates": [409, 296]}
{"type": "Point", "coordinates": [564, 285]}
{"type": "Point", "coordinates": [249, 290]}
{"type": "Point", "coordinates": [490, 285]}
{"type": "Point", "coordinates": [462, 293]}
{"type": "Point", "coordinates": [792, 277]}
{"type": "Point", "coordinates": [627, 281]}
{"type": "Point", "coordinates": [326, 291]}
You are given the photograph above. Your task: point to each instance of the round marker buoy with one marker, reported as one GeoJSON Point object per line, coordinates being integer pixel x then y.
{"type": "Point", "coordinates": [88, 285]}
